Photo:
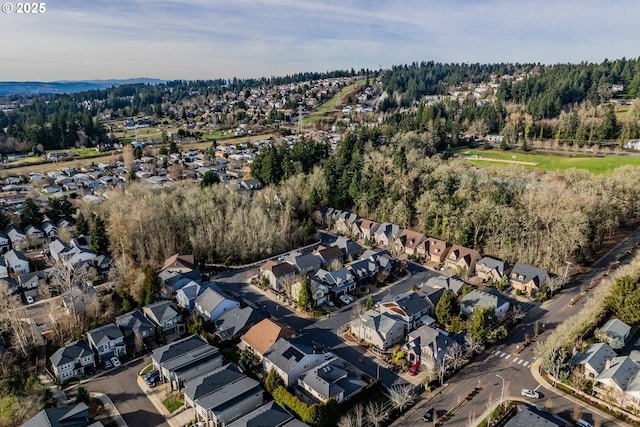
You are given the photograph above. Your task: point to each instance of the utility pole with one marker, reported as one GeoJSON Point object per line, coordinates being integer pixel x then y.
{"type": "Point", "coordinates": [502, 390]}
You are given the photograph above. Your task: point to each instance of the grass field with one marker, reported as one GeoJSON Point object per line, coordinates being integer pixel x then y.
{"type": "Point", "coordinates": [330, 105]}
{"type": "Point", "coordinates": [549, 163]}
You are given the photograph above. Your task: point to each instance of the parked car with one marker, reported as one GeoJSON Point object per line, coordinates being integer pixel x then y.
{"type": "Point", "coordinates": [428, 416]}
{"type": "Point", "coordinates": [151, 374]}
{"type": "Point", "coordinates": [345, 299]}
{"type": "Point", "coordinates": [525, 392]}
{"type": "Point", "coordinates": [378, 304]}
{"type": "Point", "coordinates": [331, 303]}
{"type": "Point", "coordinates": [414, 369]}
{"type": "Point", "coordinates": [116, 361]}
{"type": "Point", "coordinates": [351, 297]}
{"type": "Point", "coordinates": [107, 364]}
{"type": "Point", "coordinates": [153, 379]}
{"type": "Point", "coordinates": [583, 423]}
{"type": "Point", "coordinates": [29, 299]}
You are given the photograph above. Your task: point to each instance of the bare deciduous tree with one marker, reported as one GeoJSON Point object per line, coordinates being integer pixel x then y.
{"type": "Point", "coordinates": [375, 414]}
{"type": "Point", "coordinates": [401, 396]}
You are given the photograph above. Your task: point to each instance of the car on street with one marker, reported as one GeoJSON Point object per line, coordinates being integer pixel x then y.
{"type": "Point", "coordinates": [428, 416]}
{"type": "Point", "coordinates": [29, 299]}
{"type": "Point", "coordinates": [525, 392]}
{"type": "Point", "coordinates": [116, 361]}
{"type": "Point", "coordinates": [414, 369]}
{"type": "Point", "coordinates": [377, 304]}
{"type": "Point", "coordinates": [583, 423]}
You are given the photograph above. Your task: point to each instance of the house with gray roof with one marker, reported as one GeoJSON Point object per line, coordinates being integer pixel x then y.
{"type": "Point", "coordinates": [329, 380]}
{"type": "Point", "coordinates": [488, 268]}
{"type": "Point", "coordinates": [621, 377]}
{"type": "Point", "coordinates": [5, 243]}
{"type": "Point", "coordinates": [532, 416]}
{"type": "Point", "coordinates": [350, 248]}
{"type": "Point", "coordinates": [480, 299]}
{"type": "Point", "coordinates": [185, 359]}
{"type": "Point", "coordinates": [65, 416]}
{"type": "Point", "coordinates": [386, 232]}
{"type": "Point", "coordinates": [166, 316]}
{"type": "Point", "coordinates": [344, 222]}
{"type": "Point", "coordinates": [592, 361]}
{"type": "Point", "coordinates": [223, 396]}
{"type": "Point", "coordinates": [291, 357]}
{"type": "Point", "coordinates": [408, 307]}
{"type": "Point", "coordinates": [17, 262]}
{"type": "Point", "coordinates": [174, 280]}
{"type": "Point", "coordinates": [34, 232]}
{"type": "Point", "coordinates": [268, 415]}
{"type": "Point", "coordinates": [451, 283]}
{"type": "Point", "coordinates": [363, 270]}
{"type": "Point", "coordinates": [616, 329]}
{"type": "Point", "coordinates": [32, 280]}
{"type": "Point", "coordinates": [305, 264]}
{"type": "Point", "coordinates": [278, 273]}
{"type": "Point", "coordinates": [378, 328]}
{"type": "Point", "coordinates": [527, 278]}
{"type": "Point", "coordinates": [329, 255]}
{"type": "Point", "coordinates": [16, 236]}
{"type": "Point", "coordinates": [186, 296]}
{"type": "Point", "coordinates": [50, 230]}
{"type": "Point", "coordinates": [212, 303]}
{"type": "Point", "coordinates": [236, 321]}
{"type": "Point", "coordinates": [134, 325]}
{"type": "Point", "coordinates": [429, 346]}
{"type": "Point", "coordinates": [4, 271]}
{"type": "Point", "coordinates": [107, 341]}
{"type": "Point", "coordinates": [339, 282]}
{"type": "Point", "coordinates": [72, 360]}
{"type": "Point", "coordinates": [77, 299]}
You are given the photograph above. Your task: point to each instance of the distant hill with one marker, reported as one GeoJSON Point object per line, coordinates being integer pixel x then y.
{"type": "Point", "coordinates": [66, 86]}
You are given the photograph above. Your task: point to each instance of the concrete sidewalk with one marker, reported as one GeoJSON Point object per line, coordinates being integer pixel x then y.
{"type": "Point", "coordinates": [156, 395]}
{"type": "Point", "coordinates": [110, 408]}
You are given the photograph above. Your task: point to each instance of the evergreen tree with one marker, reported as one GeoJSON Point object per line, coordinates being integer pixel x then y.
{"type": "Point", "coordinates": [151, 285]}
{"type": "Point", "coordinates": [480, 322]}
{"type": "Point", "coordinates": [273, 381]}
{"type": "Point", "coordinates": [245, 362]}
{"type": "Point", "coordinates": [370, 304]}
{"type": "Point", "coordinates": [446, 308]}
{"type": "Point", "coordinates": [99, 238]}
{"type": "Point", "coordinates": [82, 225]}
{"type": "Point", "coordinates": [60, 208]}
{"type": "Point", "coordinates": [30, 214]}
{"type": "Point", "coordinates": [209, 178]}
{"type": "Point", "coordinates": [4, 221]}
{"type": "Point", "coordinates": [304, 297]}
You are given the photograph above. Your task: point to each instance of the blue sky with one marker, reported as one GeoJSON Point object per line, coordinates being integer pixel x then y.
{"type": "Point", "coordinates": [206, 39]}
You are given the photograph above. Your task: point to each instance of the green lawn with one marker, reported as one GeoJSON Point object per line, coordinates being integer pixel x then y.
{"type": "Point", "coordinates": [597, 165]}
{"type": "Point", "coordinates": [146, 370]}
{"type": "Point", "coordinates": [219, 134]}
{"type": "Point", "coordinates": [172, 402]}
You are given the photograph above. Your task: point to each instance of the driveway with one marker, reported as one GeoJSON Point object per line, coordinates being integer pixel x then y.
{"type": "Point", "coordinates": [122, 387]}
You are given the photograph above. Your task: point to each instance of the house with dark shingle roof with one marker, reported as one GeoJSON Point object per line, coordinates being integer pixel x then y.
{"type": "Point", "coordinates": [329, 255]}
{"type": "Point", "coordinates": [386, 233]}
{"type": "Point", "coordinates": [64, 416]}
{"type": "Point", "coordinates": [268, 415]}
{"type": "Point", "coordinates": [291, 357]}
{"type": "Point", "coordinates": [17, 262]}
{"type": "Point", "coordinates": [350, 248]}
{"type": "Point", "coordinates": [451, 283]}
{"type": "Point", "coordinates": [107, 341]}
{"type": "Point", "coordinates": [278, 273]}
{"type": "Point", "coordinates": [460, 257]}
{"type": "Point", "coordinates": [236, 321]}
{"type": "Point", "coordinates": [166, 316]}
{"type": "Point", "coordinates": [339, 281]}
{"type": "Point", "coordinates": [175, 280]}
{"type": "Point", "coordinates": [432, 249]}
{"type": "Point", "coordinates": [186, 295]}
{"type": "Point", "coordinates": [185, 359]}
{"type": "Point", "coordinates": [480, 299]}
{"type": "Point", "coordinates": [429, 346]}
{"type": "Point", "coordinates": [134, 324]}
{"type": "Point", "coordinates": [408, 242]}
{"type": "Point", "coordinates": [223, 396]}
{"type": "Point", "coordinates": [592, 361]}
{"type": "Point", "coordinates": [527, 278]}
{"type": "Point", "coordinates": [72, 360]}
{"type": "Point", "coordinates": [531, 416]}
{"type": "Point", "coordinates": [378, 328]}
{"type": "Point", "coordinates": [329, 380]}
{"type": "Point", "coordinates": [490, 268]}
{"type": "Point", "coordinates": [408, 307]}
{"type": "Point", "coordinates": [305, 264]}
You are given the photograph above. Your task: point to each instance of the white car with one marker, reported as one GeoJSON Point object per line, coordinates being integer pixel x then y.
{"type": "Point", "coordinates": [115, 361]}
{"type": "Point", "coordinates": [345, 299]}
{"type": "Point", "coordinates": [29, 299]}
{"type": "Point", "coordinates": [377, 304]}
{"type": "Point", "coordinates": [351, 298]}
{"type": "Point", "coordinates": [330, 303]}
{"type": "Point", "coordinates": [529, 393]}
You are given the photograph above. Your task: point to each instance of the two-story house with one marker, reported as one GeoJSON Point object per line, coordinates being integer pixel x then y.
{"type": "Point", "coordinates": [278, 273]}
{"type": "Point", "coordinates": [408, 307]}
{"type": "Point", "coordinates": [381, 330]}
{"type": "Point", "coordinates": [17, 262]}
{"type": "Point", "coordinates": [212, 303]}
{"type": "Point", "coordinates": [433, 250]}
{"type": "Point", "coordinates": [463, 258]}
{"type": "Point", "coordinates": [527, 279]}
{"type": "Point", "coordinates": [480, 299]}
{"type": "Point", "coordinates": [166, 316]}
{"type": "Point", "coordinates": [107, 341]}
{"type": "Point", "coordinates": [261, 336]}
{"type": "Point", "coordinates": [329, 380]}
{"type": "Point", "coordinates": [488, 268]}
{"type": "Point", "coordinates": [72, 361]}
{"type": "Point", "coordinates": [136, 328]}
{"type": "Point", "coordinates": [291, 357]}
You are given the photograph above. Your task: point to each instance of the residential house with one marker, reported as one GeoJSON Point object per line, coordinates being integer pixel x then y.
{"type": "Point", "coordinates": [620, 379]}
{"type": "Point", "coordinates": [379, 329]}
{"type": "Point", "coordinates": [179, 263]}
{"type": "Point", "coordinates": [332, 254]}
{"type": "Point", "coordinates": [291, 357]}
{"type": "Point", "coordinates": [29, 281]}
{"type": "Point", "coordinates": [136, 328]}
{"type": "Point", "coordinates": [211, 304]}
{"type": "Point", "coordinates": [366, 230]}
{"type": "Point", "coordinates": [527, 279]}
{"type": "Point", "coordinates": [74, 253]}
{"type": "Point", "coordinates": [34, 232]}
{"type": "Point", "coordinates": [5, 243]}
{"type": "Point", "coordinates": [429, 346]}
{"type": "Point", "coordinates": [386, 233]}
{"type": "Point", "coordinates": [533, 416]}
{"type": "Point", "coordinates": [278, 274]}
{"type": "Point", "coordinates": [480, 299]}
{"type": "Point", "coordinates": [408, 242]}
{"type": "Point", "coordinates": [186, 296]}
{"type": "Point", "coordinates": [78, 299]}
{"type": "Point", "coordinates": [222, 396]}
{"type": "Point", "coordinates": [173, 281]}
{"type": "Point", "coordinates": [319, 292]}
{"type": "Point", "coordinates": [363, 270]}
{"type": "Point", "coordinates": [260, 337]}
{"type": "Point", "coordinates": [268, 415]}
{"type": "Point", "coordinates": [329, 380]}
{"type": "Point", "coordinates": [304, 264]}
{"type": "Point", "coordinates": [339, 282]}
{"type": "Point", "coordinates": [185, 359]}
{"type": "Point", "coordinates": [15, 236]}
{"type": "Point", "coordinates": [616, 329]}
{"type": "Point", "coordinates": [17, 262]}
{"type": "Point", "coordinates": [72, 361]}
{"type": "Point", "coordinates": [488, 268]}
{"type": "Point", "coordinates": [107, 341]}
{"type": "Point", "coordinates": [433, 250]}
{"type": "Point", "coordinates": [382, 258]}
{"type": "Point", "coordinates": [50, 230]}
{"type": "Point", "coordinates": [593, 360]}
{"type": "Point", "coordinates": [249, 184]}
{"type": "Point", "coordinates": [236, 321]}
{"type": "Point", "coordinates": [103, 264]}
{"type": "Point", "coordinates": [65, 416]}
{"type": "Point", "coordinates": [461, 258]}
{"type": "Point", "coordinates": [350, 248]}
{"type": "Point", "coordinates": [408, 307]}
{"type": "Point", "coordinates": [166, 316]}
{"type": "Point", "coordinates": [451, 283]}
{"type": "Point", "coordinates": [344, 222]}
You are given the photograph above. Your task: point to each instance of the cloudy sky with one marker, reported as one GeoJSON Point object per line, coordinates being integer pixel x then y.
{"type": "Point", "coordinates": [205, 39]}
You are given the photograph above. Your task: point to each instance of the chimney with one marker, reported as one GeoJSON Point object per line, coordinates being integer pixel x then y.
{"type": "Point", "coordinates": [607, 364]}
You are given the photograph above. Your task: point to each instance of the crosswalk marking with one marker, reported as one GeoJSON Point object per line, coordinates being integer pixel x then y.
{"type": "Point", "coordinates": [517, 360]}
